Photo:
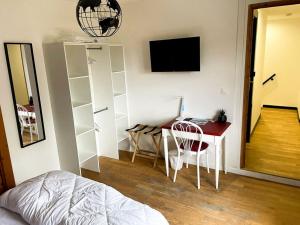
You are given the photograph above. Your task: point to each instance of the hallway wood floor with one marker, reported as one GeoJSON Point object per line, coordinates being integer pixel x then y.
{"type": "Point", "coordinates": [240, 200]}
{"type": "Point", "coordinates": [274, 147]}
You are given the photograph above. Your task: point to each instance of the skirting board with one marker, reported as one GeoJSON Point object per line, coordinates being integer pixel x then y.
{"type": "Point", "coordinates": [266, 177]}
{"type": "Point", "coordinates": [284, 107]}
{"type": "Point", "coordinates": [280, 107]}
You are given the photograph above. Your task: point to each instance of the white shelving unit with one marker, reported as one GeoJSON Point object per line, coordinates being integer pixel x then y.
{"type": "Point", "coordinates": [120, 116]}
{"type": "Point", "coordinates": [120, 94]}
{"type": "Point", "coordinates": [88, 90]}
{"type": "Point", "coordinates": [117, 58]}
{"type": "Point", "coordinates": [70, 90]}
{"type": "Point", "coordinates": [81, 97]}
{"type": "Point", "coordinates": [83, 119]}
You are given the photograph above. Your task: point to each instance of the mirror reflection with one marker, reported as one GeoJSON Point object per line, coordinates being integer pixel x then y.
{"type": "Point", "coordinates": [25, 92]}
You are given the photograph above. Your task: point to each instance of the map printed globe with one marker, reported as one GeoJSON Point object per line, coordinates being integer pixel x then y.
{"type": "Point", "coordinates": [99, 18]}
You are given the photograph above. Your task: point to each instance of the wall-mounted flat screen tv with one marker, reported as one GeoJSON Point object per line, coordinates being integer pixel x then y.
{"type": "Point", "coordinates": [175, 55]}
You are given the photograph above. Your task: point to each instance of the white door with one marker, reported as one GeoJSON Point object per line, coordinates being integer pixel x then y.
{"type": "Point", "coordinates": [102, 90]}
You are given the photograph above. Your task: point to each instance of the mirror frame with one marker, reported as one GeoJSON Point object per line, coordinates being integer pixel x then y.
{"type": "Point", "coordinates": [14, 96]}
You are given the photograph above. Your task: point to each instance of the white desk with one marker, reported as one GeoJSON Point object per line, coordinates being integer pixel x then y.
{"type": "Point", "coordinates": [214, 133]}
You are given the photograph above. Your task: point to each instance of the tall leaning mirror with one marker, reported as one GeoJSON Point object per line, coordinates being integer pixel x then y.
{"type": "Point", "coordinates": [25, 92]}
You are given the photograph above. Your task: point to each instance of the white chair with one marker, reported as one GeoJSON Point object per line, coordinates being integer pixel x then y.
{"type": "Point", "coordinates": [197, 147]}
{"type": "Point", "coordinates": [26, 121]}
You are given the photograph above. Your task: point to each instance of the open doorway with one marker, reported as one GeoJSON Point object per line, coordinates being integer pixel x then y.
{"type": "Point", "coordinates": [271, 128]}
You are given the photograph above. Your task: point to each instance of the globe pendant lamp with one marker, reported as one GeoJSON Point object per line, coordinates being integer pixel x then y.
{"type": "Point", "coordinates": [99, 18]}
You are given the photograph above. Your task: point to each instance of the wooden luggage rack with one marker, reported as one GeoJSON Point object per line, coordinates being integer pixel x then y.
{"type": "Point", "coordinates": [136, 132]}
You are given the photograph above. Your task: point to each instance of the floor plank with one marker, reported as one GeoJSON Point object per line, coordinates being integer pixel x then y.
{"type": "Point", "coordinates": [240, 200]}
{"type": "Point", "coordinates": [274, 147]}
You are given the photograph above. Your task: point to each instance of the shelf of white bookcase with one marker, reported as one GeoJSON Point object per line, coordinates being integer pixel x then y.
{"type": "Point", "coordinates": [121, 126]}
{"type": "Point", "coordinates": [117, 58]}
{"type": "Point", "coordinates": [76, 60]}
{"type": "Point", "coordinates": [118, 72]}
{"type": "Point", "coordinates": [120, 116]}
{"type": "Point", "coordinates": [119, 94]}
{"type": "Point", "coordinates": [120, 139]}
{"type": "Point", "coordinates": [84, 156]}
{"type": "Point", "coordinates": [119, 83]}
{"type": "Point", "coordinates": [80, 104]}
{"type": "Point", "coordinates": [78, 77]}
{"type": "Point", "coordinates": [83, 130]}
{"type": "Point", "coordinates": [120, 104]}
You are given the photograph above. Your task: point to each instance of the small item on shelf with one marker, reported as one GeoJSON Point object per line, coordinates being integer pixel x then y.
{"type": "Point", "coordinates": [181, 109]}
{"type": "Point", "coordinates": [181, 106]}
{"type": "Point", "coordinates": [197, 121]}
{"type": "Point", "coordinates": [222, 118]}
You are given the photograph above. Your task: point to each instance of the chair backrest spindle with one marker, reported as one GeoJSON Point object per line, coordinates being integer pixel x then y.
{"type": "Point", "coordinates": [179, 130]}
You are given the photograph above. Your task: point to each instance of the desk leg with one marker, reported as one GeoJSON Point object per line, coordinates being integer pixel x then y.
{"type": "Point", "coordinates": [166, 154]}
{"type": "Point", "coordinates": [225, 156]}
{"type": "Point", "coordinates": [218, 148]}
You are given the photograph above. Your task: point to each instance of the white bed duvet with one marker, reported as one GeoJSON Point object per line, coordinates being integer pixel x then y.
{"type": "Point", "coordinates": [10, 218]}
{"type": "Point", "coordinates": [62, 198]}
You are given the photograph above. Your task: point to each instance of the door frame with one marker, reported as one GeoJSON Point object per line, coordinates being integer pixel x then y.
{"type": "Point", "coordinates": [251, 79]}
{"type": "Point", "coordinates": [6, 166]}
{"type": "Point", "coordinates": [249, 52]}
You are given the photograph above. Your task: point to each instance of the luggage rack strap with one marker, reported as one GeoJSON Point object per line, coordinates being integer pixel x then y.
{"type": "Point", "coordinates": [157, 133]}
{"type": "Point", "coordinates": [142, 128]}
{"type": "Point", "coordinates": [136, 126]}
{"type": "Point", "coordinates": [153, 129]}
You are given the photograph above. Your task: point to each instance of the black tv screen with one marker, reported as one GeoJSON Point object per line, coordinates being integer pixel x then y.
{"type": "Point", "coordinates": [175, 55]}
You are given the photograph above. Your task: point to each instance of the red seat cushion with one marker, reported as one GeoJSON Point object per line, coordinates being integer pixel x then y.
{"type": "Point", "coordinates": [195, 146]}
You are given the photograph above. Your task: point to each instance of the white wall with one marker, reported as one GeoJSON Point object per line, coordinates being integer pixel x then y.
{"type": "Point", "coordinates": [32, 21]}
{"type": "Point", "coordinates": [258, 91]}
{"type": "Point", "coordinates": [222, 27]}
{"type": "Point", "coordinates": [153, 96]}
{"type": "Point", "coordinates": [282, 57]}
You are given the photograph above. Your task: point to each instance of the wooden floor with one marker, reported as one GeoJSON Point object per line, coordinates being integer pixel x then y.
{"type": "Point", "coordinates": [240, 201]}
{"type": "Point", "coordinates": [274, 147]}
{"type": "Point", "coordinates": [27, 140]}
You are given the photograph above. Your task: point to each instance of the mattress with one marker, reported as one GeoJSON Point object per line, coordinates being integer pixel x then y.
{"type": "Point", "coordinates": [9, 218]}
{"type": "Point", "coordinates": [60, 197]}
